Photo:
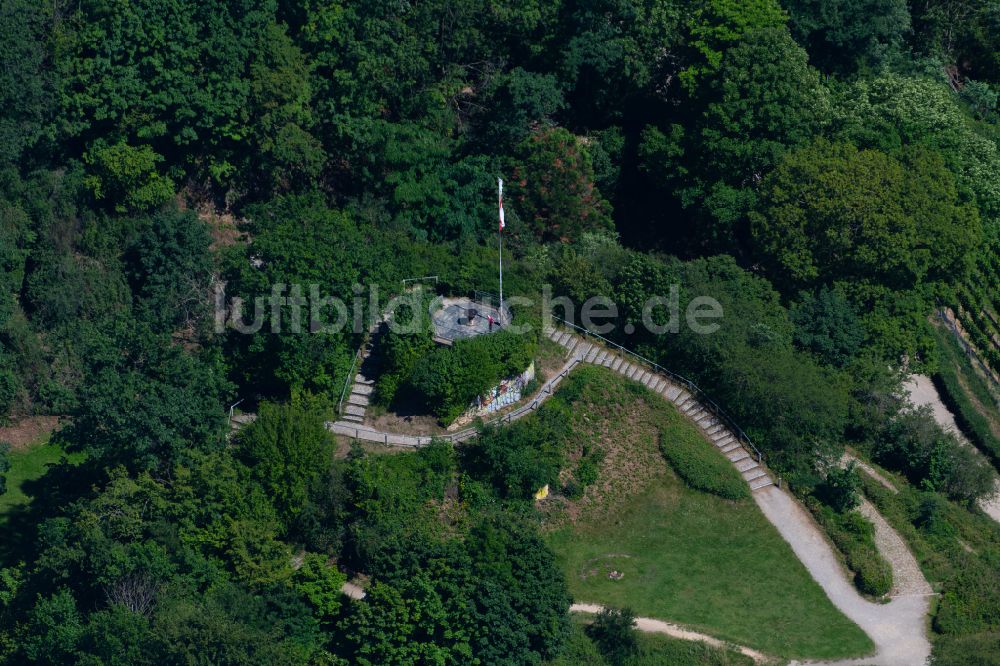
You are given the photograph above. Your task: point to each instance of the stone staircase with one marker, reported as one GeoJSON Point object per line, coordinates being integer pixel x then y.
{"type": "Point", "coordinates": [361, 390]}
{"type": "Point", "coordinates": [728, 443]}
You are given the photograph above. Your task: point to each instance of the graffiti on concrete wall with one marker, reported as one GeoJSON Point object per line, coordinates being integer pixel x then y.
{"type": "Point", "coordinates": [506, 393]}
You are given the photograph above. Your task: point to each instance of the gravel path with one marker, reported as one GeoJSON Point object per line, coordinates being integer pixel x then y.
{"type": "Point", "coordinates": [652, 626]}
{"type": "Point", "coordinates": [923, 393]}
{"type": "Point", "coordinates": [897, 628]}
{"type": "Point", "coordinates": [867, 469]}
{"type": "Point", "coordinates": [907, 578]}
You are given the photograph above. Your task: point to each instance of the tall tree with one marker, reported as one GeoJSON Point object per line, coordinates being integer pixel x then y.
{"type": "Point", "coordinates": [843, 35]}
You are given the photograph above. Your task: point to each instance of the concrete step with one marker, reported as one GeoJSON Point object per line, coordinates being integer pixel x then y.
{"type": "Point", "coordinates": [682, 399]}
{"type": "Point", "coordinates": [718, 436]}
{"type": "Point", "coordinates": [363, 389]}
{"type": "Point", "coordinates": [690, 406]}
{"type": "Point", "coordinates": [563, 338]}
{"type": "Point", "coordinates": [609, 360]}
{"type": "Point", "coordinates": [737, 455]}
{"type": "Point", "coordinates": [572, 343]}
{"type": "Point", "coordinates": [661, 384]}
{"type": "Point", "coordinates": [672, 393]}
{"type": "Point", "coordinates": [553, 334]}
{"type": "Point", "coordinates": [361, 379]}
{"type": "Point", "coordinates": [353, 418]}
{"type": "Point", "coordinates": [592, 354]}
{"type": "Point", "coordinates": [631, 370]}
{"type": "Point", "coordinates": [761, 482]}
{"type": "Point", "coordinates": [354, 410]}
{"type": "Point", "coordinates": [599, 359]}
{"type": "Point", "coordinates": [359, 400]}
{"type": "Point", "coordinates": [754, 473]}
{"type": "Point", "coordinates": [727, 441]}
{"type": "Point", "coordinates": [731, 446]}
{"type": "Point", "coordinates": [618, 363]}
{"type": "Point", "coordinates": [746, 464]}
{"type": "Point", "coordinates": [704, 419]}
{"type": "Point", "coordinates": [714, 428]}
{"type": "Point", "coordinates": [649, 380]}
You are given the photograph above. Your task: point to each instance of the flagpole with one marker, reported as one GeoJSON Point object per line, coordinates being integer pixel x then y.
{"type": "Point", "coordinates": [500, 239]}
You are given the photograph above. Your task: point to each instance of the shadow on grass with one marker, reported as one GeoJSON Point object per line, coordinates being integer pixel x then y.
{"type": "Point", "coordinates": [62, 483]}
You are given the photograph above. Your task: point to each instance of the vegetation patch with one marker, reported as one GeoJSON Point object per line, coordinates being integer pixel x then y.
{"type": "Point", "coordinates": [27, 465]}
{"type": "Point", "coordinates": [684, 555]}
{"type": "Point", "coordinates": [650, 650]}
{"type": "Point", "coordinates": [967, 395]}
{"type": "Point", "coordinates": [448, 379]}
{"type": "Point", "coordinates": [700, 465]}
{"type": "Point", "coordinates": [958, 550]}
{"type": "Point", "coordinates": [854, 537]}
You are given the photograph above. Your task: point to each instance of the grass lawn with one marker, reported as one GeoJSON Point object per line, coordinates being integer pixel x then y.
{"type": "Point", "coordinates": [26, 465]}
{"type": "Point", "coordinates": [691, 557]}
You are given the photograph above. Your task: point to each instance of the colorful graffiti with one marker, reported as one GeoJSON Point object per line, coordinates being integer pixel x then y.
{"type": "Point", "coordinates": [503, 395]}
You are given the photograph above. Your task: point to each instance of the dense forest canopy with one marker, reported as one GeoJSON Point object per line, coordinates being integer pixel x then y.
{"type": "Point", "coordinates": [828, 170]}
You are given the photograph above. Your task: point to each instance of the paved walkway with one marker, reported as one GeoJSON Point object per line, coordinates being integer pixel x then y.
{"type": "Point", "coordinates": [897, 628]}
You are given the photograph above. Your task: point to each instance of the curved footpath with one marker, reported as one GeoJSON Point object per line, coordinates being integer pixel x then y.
{"type": "Point", "coordinates": [897, 628]}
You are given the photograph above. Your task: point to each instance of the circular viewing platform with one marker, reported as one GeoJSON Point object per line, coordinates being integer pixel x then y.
{"type": "Point", "coordinates": [461, 318]}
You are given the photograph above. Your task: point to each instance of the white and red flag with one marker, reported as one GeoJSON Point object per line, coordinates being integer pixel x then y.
{"type": "Point", "coordinates": [500, 196]}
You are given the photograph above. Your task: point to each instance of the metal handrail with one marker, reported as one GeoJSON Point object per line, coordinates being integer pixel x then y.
{"type": "Point", "coordinates": [676, 378]}
{"type": "Point", "coordinates": [416, 279]}
{"type": "Point", "coordinates": [350, 377]}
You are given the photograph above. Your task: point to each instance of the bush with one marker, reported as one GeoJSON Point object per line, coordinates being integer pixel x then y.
{"type": "Point", "coordinates": [614, 632]}
{"type": "Point", "coordinates": [449, 378]}
{"type": "Point", "coordinates": [702, 467]}
{"type": "Point", "coordinates": [839, 490]}
{"type": "Point", "coordinates": [932, 459]}
{"type": "Point", "coordinates": [854, 537]}
{"type": "Point", "coordinates": [401, 349]}
{"type": "Point", "coordinates": [4, 465]}
{"type": "Point", "coordinates": [964, 650]}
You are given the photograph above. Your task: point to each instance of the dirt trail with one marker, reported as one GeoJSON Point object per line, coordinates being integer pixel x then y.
{"type": "Point", "coordinates": [652, 626]}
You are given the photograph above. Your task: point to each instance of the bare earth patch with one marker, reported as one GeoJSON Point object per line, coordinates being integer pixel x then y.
{"type": "Point", "coordinates": [29, 430]}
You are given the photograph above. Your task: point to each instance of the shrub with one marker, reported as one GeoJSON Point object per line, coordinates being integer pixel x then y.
{"type": "Point", "coordinates": [614, 632]}
{"type": "Point", "coordinates": [520, 458]}
{"type": "Point", "coordinates": [854, 537]}
{"type": "Point", "coordinates": [964, 650]}
{"type": "Point", "coordinates": [589, 467]}
{"type": "Point", "coordinates": [702, 467]}
{"type": "Point", "coordinates": [401, 349]}
{"type": "Point", "coordinates": [932, 459]}
{"type": "Point", "coordinates": [839, 490]}
{"type": "Point", "coordinates": [449, 378]}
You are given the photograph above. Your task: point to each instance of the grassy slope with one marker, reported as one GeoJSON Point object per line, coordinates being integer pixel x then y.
{"type": "Point", "coordinates": [26, 465]}
{"type": "Point", "coordinates": [688, 556]}
{"type": "Point", "coordinates": [967, 396]}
